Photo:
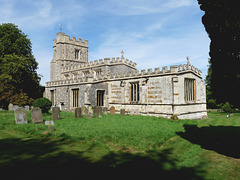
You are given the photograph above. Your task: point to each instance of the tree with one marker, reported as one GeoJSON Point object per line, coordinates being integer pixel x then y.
{"type": "Point", "coordinates": [222, 23]}
{"type": "Point", "coordinates": [19, 81]}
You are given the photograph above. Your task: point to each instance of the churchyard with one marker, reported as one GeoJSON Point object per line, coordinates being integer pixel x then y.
{"type": "Point", "coordinates": [133, 145]}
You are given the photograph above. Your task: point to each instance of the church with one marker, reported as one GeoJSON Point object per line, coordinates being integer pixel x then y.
{"type": "Point", "coordinates": [175, 91]}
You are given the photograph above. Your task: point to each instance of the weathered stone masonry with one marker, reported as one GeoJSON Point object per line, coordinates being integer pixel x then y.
{"type": "Point", "coordinates": [75, 82]}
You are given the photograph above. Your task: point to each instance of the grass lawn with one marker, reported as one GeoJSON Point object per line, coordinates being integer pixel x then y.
{"type": "Point", "coordinates": [117, 146]}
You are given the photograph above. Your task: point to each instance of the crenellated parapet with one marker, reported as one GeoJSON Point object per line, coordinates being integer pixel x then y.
{"type": "Point", "coordinates": [173, 70]}
{"type": "Point", "coordinates": [101, 62]}
{"type": "Point", "coordinates": [65, 39]}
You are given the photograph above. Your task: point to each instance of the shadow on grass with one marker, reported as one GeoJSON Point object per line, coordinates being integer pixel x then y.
{"type": "Point", "coordinates": [221, 139]}
{"type": "Point", "coordinates": [40, 158]}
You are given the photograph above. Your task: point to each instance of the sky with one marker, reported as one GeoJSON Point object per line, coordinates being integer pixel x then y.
{"type": "Point", "coordinates": [152, 33]}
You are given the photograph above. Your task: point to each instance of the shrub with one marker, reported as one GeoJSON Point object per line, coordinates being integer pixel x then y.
{"type": "Point", "coordinates": [227, 108]}
{"type": "Point", "coordinates": [44, 103]}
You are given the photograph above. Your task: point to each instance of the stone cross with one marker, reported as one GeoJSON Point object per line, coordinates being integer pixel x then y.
{"type": "Point", "coordinates": [122, 54]}
{"type": "Point", "coordinates": [188, 60]}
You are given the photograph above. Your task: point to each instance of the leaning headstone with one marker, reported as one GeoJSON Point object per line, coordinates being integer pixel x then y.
{"type": "Point", "coordinates": [10, 107]}
{"type": "Point", "coordinates": [27, 108]}
{"type": "Point", "coordinates": [20, 116]}
{"type": "Point", "coordinates": [49, 123]}
{"type": "Point", "coordinates": [105, 110]}
{"type": "Point", "coordinates": [122, 112]}
{"type": "Point", "coordinates": [78, 113]}
{"type": "Point", "coordinates": [112, 110]}
{"type": "Point", "coordinates": [36, 113]}
{"type": "Point", "coordinates": [99, 111]}
{"type": "Point", "coordinates": [55, 113]}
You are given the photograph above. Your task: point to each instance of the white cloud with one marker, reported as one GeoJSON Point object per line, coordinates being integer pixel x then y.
{"type": "Point", "coordinates": [162, 51]}
{"type": "Point", "coordinates": [142, 7]}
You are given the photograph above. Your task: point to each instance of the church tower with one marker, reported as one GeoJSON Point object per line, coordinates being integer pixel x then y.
{"type": "Point", "coordinates": [67, 52]}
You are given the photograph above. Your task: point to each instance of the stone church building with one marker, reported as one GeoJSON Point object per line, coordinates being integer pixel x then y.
{"type": "Point", "coordinates": [76, 82]}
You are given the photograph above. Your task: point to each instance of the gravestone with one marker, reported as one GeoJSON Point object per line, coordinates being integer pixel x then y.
{"type": "Point", "coordinates": [15, 107]}
{"type": "Point", "coordinates": [10, 107]}
{"type": "Point", "coordinates": [84, 110]}
{"type": "Point", "coordinates": [78, 113]}
{"type": "Point", "coordinates": [112, 110]}
{"type": "Point", "coordinates": [105, 110]}
{"type": "Point", "coordinates": [27, 108]}
{"type": "Point", "coordinates": [36, 113]}
{"type": "Point", "coordinates": [132, 112]}
{"type": "Point", "coordinates": [95, 110]}
{"type": "Point", "coordinates": [55, 113]}
{"type": "Point", "coordinates": [49, 123]}
{"type": "Point", "coordinates": [122, 112]}
{"type": "Point", "coordinates": [20, 116]}
{"type": "Point", "coordinates": [99, 111]}
{"type": "Point", "coordinates": [90, 112]}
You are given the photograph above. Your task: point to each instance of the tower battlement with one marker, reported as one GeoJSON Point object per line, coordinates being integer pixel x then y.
{"type": "Point", "coordinates": [65, 39]}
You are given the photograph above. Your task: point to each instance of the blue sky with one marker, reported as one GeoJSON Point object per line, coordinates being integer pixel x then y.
{"type": "Point", "coordinates": [152, 33]}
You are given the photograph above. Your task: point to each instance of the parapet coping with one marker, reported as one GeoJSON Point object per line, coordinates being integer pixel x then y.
{"type": "Point", "coordinates": [174, 70]}
{"type": "Point", "coordinates": [100, 62]}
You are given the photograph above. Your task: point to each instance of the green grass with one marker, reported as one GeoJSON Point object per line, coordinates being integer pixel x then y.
{"type": "Point", "coordinates": [139, 145]}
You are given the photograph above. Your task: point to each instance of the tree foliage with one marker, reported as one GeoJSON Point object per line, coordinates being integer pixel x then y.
{"type": "Point", "coordinates": [222, 23]}
{"type": "Point", "coordinates": [19, 81]}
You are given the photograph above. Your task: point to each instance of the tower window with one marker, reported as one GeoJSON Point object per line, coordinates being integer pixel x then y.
{"type": "Point", "coordinates": [77, 54]}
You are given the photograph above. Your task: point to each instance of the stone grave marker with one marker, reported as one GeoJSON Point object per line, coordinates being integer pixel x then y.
{"type": "Point", "coordinates": [122, 112]}
{"type": "Point", "coordinates": [55, 113]}
{"type": "Point", "coordinates": [15, 107]}
{"type": "Point", "coordinates": [49, 123]}
{"type": "Point", "coordinates": [36, 113]}
{"type": "Point", "coordinates": [99, 111]}
{"type": "Point", "coordinates": [84, 110]}
{"type": "Point", "coordinates": [78, 113]}
{"type": "Point", "coordinates": [95, 110]}
{"type": "Point", "coordinates": [132, 112]}
{"type": "Point", "coordinates": [112, 110]}
{"type": "Point", "coordinates": [90, 112]}
{"type": "Point", "coordinates": [10, 107]}
{"type": "Point", "coordinates": [27, 108]}
{"type": "Point", "coordinates": [105, 110]}
{"type": "Point", "coordinates": [20, 116]}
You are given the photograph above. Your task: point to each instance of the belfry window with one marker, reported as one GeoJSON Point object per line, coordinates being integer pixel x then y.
{"type": "Point", "coordinates": [75, 97]}
{"type": "Point", "coordinates": [190, 90]}
{"type": "Point", "coordinates": [135, 92]}
{"type": "Point", "coordinates": [77, 54]}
